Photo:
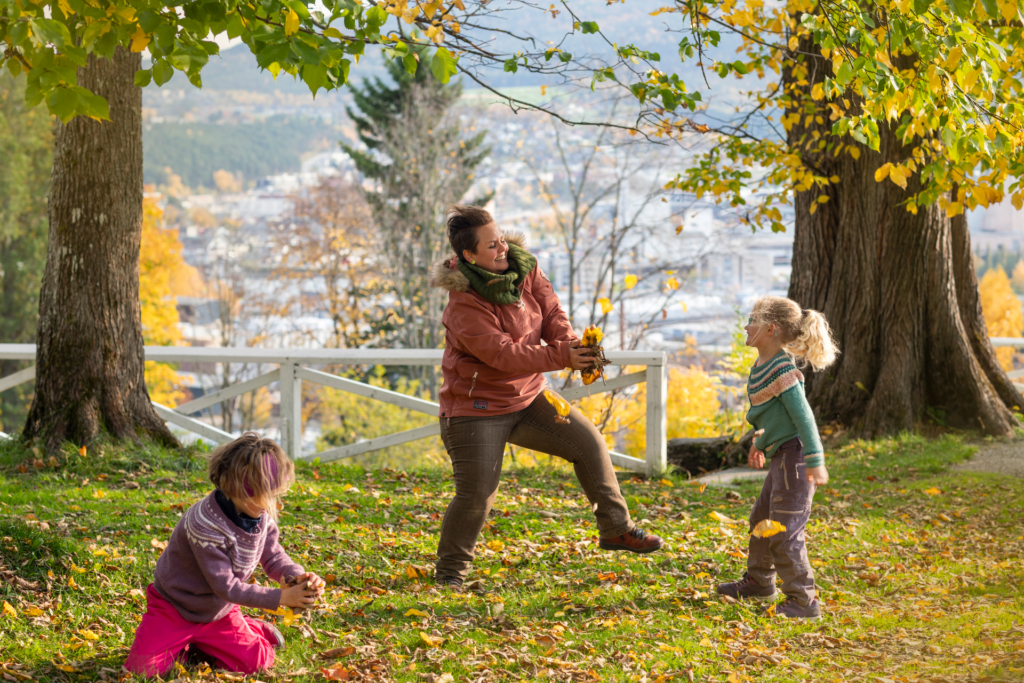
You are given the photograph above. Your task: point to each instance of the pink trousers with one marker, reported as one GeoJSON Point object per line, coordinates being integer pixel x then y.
{"type": "Point", "coordinates": [238, 642]}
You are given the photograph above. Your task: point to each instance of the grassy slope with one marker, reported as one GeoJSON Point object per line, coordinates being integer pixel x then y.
{"type": "Point", "coordinates": [910, 596]}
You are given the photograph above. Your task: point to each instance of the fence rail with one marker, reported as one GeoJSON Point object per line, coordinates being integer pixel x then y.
{"type": "Point", "coordinates": [293, 369]}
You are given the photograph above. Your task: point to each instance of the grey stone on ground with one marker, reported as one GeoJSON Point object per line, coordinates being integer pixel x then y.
{"type": "Point", "coordinates": [1000, 457]}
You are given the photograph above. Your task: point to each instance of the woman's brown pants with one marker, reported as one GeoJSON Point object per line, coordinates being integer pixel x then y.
{"type": "Point", "coordinates": [476, 446]}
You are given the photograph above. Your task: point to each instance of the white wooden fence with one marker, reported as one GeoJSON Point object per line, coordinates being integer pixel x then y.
{"type": "Point", "coordinates": [297, 365]}
{"type": "Point", "coordinates": [1017, 342]}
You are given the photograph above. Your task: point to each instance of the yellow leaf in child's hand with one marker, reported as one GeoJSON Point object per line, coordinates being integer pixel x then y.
{"type": "Point", "coordinates": [430, 641]}
{"type": "Point", "coordinates": [88, 635]}
{"type": "Point", "coordinates": [718, 516]}
{"type": "Point", "coordinates": [9, 610]}
{"type": "Point", "coordinates": [496, 545]}
{"type": "Point", "coordinates": [415, 613]}
{"type": "Point", "coordinates": [766, 528]}
{"type": "Point", "coordinates": [933, 491]}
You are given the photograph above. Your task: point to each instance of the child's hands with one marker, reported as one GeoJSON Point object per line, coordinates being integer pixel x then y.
{"type": "Point", "coordinates": [298, 596]}
{"type": "Point", "coordinates": [817, 475]}
{"type": "Point", "coordinates": [313, 582]}
{"type": "Point", "coordinates": [755, 458]}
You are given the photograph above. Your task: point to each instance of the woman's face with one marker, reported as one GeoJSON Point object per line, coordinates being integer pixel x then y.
{"type": "Point", "coordinates": [491, 250]}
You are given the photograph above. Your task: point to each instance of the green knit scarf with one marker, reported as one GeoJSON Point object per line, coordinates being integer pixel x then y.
{"type": "Point", "coordinates": [501, 288]}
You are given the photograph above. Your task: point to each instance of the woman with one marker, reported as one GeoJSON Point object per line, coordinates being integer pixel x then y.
{"type": "Point", "coordinates": [500, 308]}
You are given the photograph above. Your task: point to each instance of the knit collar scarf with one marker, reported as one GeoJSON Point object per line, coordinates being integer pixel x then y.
{"type": "Point", "coordinates": [501, 288]}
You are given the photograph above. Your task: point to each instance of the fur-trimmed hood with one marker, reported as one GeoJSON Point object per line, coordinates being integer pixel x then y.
{"type": "Point", "coordinates": [443, 276]}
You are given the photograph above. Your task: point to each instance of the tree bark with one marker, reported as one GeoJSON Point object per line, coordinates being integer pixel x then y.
{"type": "Point", "coordinates": [898, 289]}
{"type": "Point", "coordinates": [89, 356]}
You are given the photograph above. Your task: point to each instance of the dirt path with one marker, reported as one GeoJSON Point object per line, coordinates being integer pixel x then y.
{"type": "Point", "coordinates": [998, 458]}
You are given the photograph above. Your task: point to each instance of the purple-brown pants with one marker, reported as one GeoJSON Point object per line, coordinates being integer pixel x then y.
{"type": "Point", "coordinates": [785, 498]}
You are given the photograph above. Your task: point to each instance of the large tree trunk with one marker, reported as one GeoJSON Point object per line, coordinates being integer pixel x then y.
{"type": "Point", "coordinates": [89, 358]}
{"type": "Point", "coordinates": [898, 289]}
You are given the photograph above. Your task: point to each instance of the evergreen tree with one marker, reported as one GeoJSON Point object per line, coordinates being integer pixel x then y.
{"type": "Point", "coordinates": [26, 157]}
{"type": "Point", "coordinates": [420, 162]}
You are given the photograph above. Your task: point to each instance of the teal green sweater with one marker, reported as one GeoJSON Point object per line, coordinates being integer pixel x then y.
{"type": "Point", "coordinates": [779, 407]}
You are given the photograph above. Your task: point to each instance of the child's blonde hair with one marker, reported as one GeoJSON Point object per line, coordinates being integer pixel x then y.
{"type": "Point", "coordinates": [254, 468]}
{"type": "Point", "coordinates": [804, 333]}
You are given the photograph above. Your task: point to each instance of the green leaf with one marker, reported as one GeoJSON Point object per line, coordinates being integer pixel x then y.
{"type": "Point", "coordinates": [90, 104]}
{"type": "Point", "coordinates": [410, 63]}
{"type": "Point", "coordinates": [961, 8]}
{"type": "Point", "coordinates": [307, 54]}
{"type": "Point", "coordinates": [589, 27]}
{"type": "Point", "coordinates": [162, 72]}
{"type": "Point", "coordinates": [315, 77]}
{"type": "Point", "coordinates": [443, 65]}
{"type": "Point", "coordinates": [740, 68]}
{"type": "Point", "coordinates": [165, 37]}
{"type": "Point", "coordinates": [921, 6]}
{"type": "Point", "coordinates": [991, 8]}
{"type": "Point", "coordinates": [343, 68]}
{"type": "Point", "coordinates": [275, 52]}
{"type": "Point", "coordinates": [149, 20]}
{"type": "Point", "coordinates": [845, 73]}
{"type": "Point", "coordinates": [63, 103]}
{"type": "Point", "coordinates": [511, 65]}
{"type": "Point", "coordinates": [375, 17]}
{"type": "Point", "coordinates": [143, 77]}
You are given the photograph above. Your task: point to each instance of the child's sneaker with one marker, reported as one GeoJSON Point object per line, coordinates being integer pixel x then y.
{"type": "Point", "coordinates": [747, 589]}
{"type": "Point", "coordinates": [274, 634]}
{"type": "Point", "coordinates": [791, 609]}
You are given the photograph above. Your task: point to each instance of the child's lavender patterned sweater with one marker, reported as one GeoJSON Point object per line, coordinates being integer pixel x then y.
{"type": "Point", "coordinates": [208, 561]}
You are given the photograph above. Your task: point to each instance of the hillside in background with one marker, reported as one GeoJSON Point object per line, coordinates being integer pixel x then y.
{"type": "Point", "coordinates": [245, 122]}
{"type": "Point", "coordinates": [257, 149]}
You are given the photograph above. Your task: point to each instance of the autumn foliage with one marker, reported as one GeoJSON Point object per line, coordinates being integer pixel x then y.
{"type": "Point", "coordinates": [1002, 310]}
{"type": "Point", "coordinates": [161, 269]}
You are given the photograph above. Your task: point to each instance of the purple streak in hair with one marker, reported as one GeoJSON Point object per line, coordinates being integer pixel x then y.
{"type": "Point", "coordinates": [270, 465]}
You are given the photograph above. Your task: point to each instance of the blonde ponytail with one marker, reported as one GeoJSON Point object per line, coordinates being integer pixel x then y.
{"type": "Point", "coordinates": [805, 333]}
{"type": "Point", "coordinates": [814, 343]}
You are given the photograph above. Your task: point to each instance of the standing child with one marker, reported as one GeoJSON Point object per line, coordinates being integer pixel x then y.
{"type": "Point", "coordinates": [787, 435]}
{"type": "Point", "coordinates": [202, 577]}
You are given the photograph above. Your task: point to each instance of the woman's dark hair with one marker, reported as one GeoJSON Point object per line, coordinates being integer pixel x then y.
{"type": "Point", "coordinates": [462, 221]}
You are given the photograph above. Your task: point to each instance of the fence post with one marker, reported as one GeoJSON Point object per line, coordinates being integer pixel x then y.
{"type": "Point", "coordinates": [291, 411]}
{"type": "Point", "coordinates": [657, 418]}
